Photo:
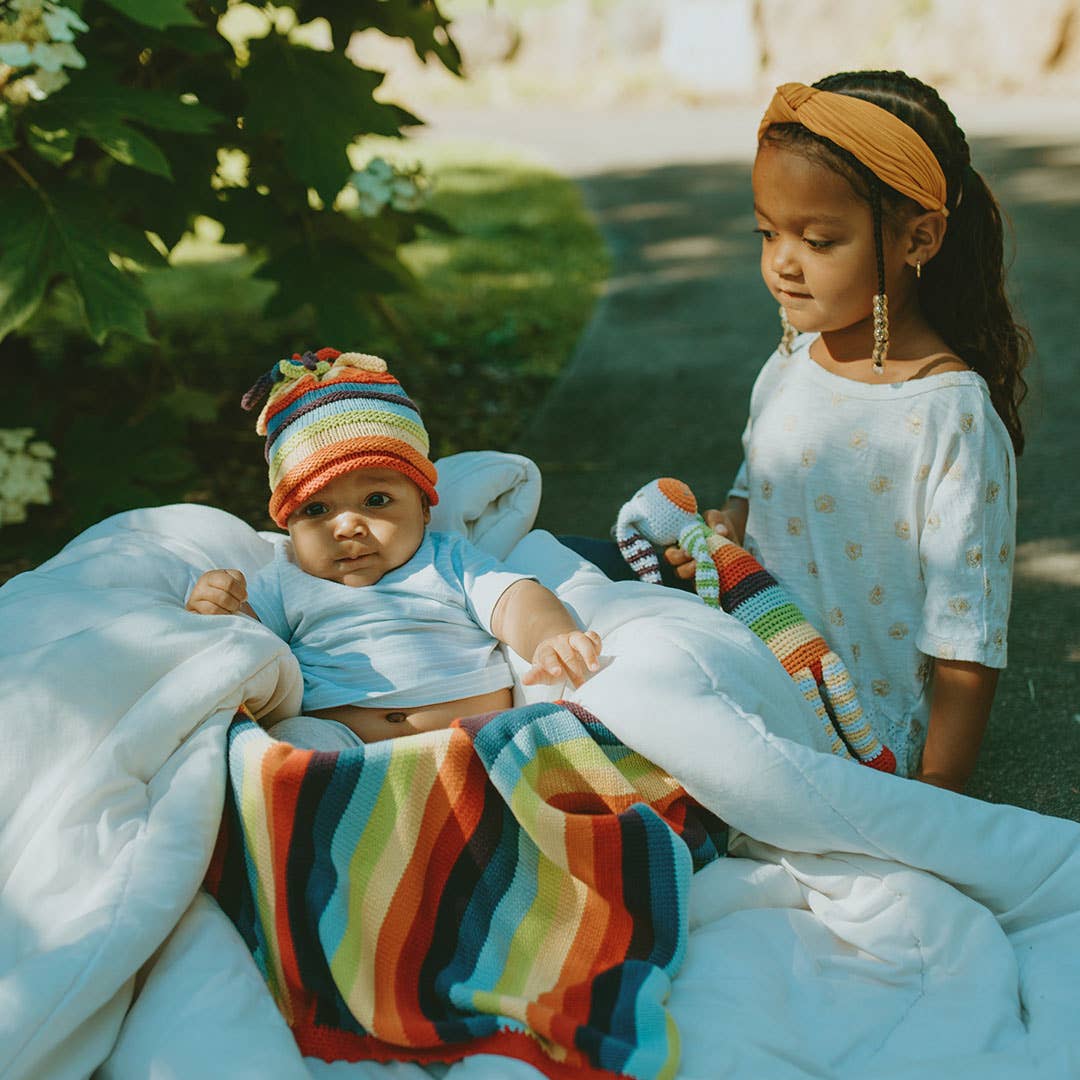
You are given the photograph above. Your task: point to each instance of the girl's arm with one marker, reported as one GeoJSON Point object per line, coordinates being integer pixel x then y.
{"type": "Point", "coordinates": [732, 517]}
{"type": "Point", "coordinates": [536, 624]}
{"type": "Point", "coordinates": [959, 708]}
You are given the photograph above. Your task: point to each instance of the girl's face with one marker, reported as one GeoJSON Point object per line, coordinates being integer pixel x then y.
{"type": "Point", "coordinates": [817, 242]}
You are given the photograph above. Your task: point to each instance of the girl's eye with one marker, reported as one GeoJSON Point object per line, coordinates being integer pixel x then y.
{"type": "Point", "coordinates": [315, 509]}
{"type": "Point", "coordinates": [377, 499]}
{"type": "Point", "coordinates": [819, 245]}
{"type": "Point", "coordinates": [765, 234]}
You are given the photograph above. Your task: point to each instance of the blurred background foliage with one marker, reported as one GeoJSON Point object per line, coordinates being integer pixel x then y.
{"type": "Point", "coordinates": [191, 190]}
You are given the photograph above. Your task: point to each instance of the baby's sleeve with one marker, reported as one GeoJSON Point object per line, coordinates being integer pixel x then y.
{"type": "Point", "coordinates": [483, 579]}
{"type": "Point", "coordinates": [267, 600]}
{"type": "Point", "coordinates": [967, 544]}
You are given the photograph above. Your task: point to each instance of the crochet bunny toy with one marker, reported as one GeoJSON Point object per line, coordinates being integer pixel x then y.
{"type": "Point", "coordinates": [665, 512]}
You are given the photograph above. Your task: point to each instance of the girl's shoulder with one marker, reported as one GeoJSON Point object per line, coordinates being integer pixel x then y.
{"type": "Point", "coordinates": [782, 363]}
{"type": "Point", "coordinates": [943, 379]}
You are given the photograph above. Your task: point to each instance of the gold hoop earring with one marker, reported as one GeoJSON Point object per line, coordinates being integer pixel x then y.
{"type": "Point", "coordinates": [787, 333]}
{"type": "Point", "coordinates": [881, 333]}
{"type": "Point", "coordinates": [918, 270]}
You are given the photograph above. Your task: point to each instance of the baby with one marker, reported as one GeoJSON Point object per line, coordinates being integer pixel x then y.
{"type": "Point", "coordinates": [395, 627]}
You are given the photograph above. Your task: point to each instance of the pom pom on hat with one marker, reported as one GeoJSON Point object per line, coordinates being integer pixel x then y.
{"type": "Point", "coordinates": [330, 412]}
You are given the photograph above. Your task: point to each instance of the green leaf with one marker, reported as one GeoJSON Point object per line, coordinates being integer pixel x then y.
{"type": "Point", "coordinates": [317, 103]}
{"type": "Point", "coordinates": [198, 40]}
{"type": "Point", "coordinates": [155, 13]}
{"type": "Point", "coordinates": [56, 147]}
{"type": "Point", "coordinates": [188, 403]}
{"type": "Point", "coordinates": [248, 217]}
{"type": "Point", "coordinates": [335, 279]}
{"type": "Point", "coordinates": [418, 22]}
{"type": "Point", "coordinates": [26, 262]}
{"type": "Point", "coordinates": [59, 232]}
{"type": "Point", "coordinates": [435, 222]}
{"type": "Point", "coordinates": [147, 463]}
{"type": "Point", "coordinates": [98, 109]}
{"type": "Point", "coordinates": [7, 128]}
{"type": "Point", "coordinates": [95, 97]}
{"type": "Point", "coordinates": [167, 207]}
{"type": "Point", "coordinates": [126, 145]}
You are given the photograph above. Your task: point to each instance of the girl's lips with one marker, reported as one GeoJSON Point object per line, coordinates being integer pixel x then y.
{"type": "Point", "coordinates": [795, 295]}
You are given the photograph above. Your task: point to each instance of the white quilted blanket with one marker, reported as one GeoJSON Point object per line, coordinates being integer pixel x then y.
{"type": "Point", "coordinates": [865, 925]}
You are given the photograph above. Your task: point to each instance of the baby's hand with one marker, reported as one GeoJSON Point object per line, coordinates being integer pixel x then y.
{"type": "Point", "coordinates": [719, 521]}
{"type": "Point", "coordinates": [572, 656]}
{"type": "Point", "coordinates": [218, 592]}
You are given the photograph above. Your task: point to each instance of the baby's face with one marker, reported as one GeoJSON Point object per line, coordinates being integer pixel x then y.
{"type": "Point", "coordinates": [359, 526]}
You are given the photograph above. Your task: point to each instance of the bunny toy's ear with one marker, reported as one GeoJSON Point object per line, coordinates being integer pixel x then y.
{"type": "Point", "coordinates": [635, 549]}
{"type": "Point", "coordinates": [630, 534]}
{"type": "Point", "coordinates": [641, 556]}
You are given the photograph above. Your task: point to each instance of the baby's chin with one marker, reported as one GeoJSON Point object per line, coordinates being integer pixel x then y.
{"type": "Point", "coordinates": [360, 581]}
{"type": "Point", "coordinates": [355, 577]}
{"type": "Point", "coordinates": [359, 578]}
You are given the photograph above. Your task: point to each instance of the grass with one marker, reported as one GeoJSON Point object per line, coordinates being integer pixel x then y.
{"type": "Point", "coordinates": [505, 301]}
{"type": "Point", "coordinates": [500, 306]}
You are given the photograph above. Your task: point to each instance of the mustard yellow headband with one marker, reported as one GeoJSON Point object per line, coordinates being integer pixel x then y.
{"type": "Point", "coordinates": [894, 152]}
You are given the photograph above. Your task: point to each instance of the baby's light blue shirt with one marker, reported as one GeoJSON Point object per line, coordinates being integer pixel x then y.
{"type": "Point", "coordinates": [419, 636]}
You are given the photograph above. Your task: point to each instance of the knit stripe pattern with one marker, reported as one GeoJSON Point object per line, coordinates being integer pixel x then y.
{"type": "Point", "coordinates": [728, 577]}
{"type": "Point", "coordinates": [329, 413]}
{"type": "Point", "coordinates": [515, 884]}
{"type": "Point", "coordinates": [639, 553]}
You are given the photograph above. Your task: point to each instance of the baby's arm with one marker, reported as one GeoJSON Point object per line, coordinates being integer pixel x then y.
{"type": "Point", "coordinates": [729, 521]}
{"type": "Point", "coordinates": [220, 592]}
{"type": "Point", "coordinates": [959, 708]}
{"type": "Point", "coordinates": [536, 624]}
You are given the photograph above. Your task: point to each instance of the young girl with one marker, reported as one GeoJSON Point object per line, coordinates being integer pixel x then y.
{"type": "Point", "coordinates": [879, 480]}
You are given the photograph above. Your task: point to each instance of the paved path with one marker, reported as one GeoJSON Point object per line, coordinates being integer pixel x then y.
{"type": "Point", "coordinates": [661, 378]}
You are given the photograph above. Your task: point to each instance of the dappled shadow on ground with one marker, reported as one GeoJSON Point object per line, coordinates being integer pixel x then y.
{"type": "Point", "coordinates": [661, 380]}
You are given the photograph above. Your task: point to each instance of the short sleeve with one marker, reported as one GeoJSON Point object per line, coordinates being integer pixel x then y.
{"type": "Point", "coordinates": [483, 578]}
{"type": "Point", "coordinates": [266, 598]}
{"type": "Point", "coordinates": [764, 386]}
{"type": "Point", "coordinates": [740, 486]}
{"type": "Point", "coordinates": [966, 545]}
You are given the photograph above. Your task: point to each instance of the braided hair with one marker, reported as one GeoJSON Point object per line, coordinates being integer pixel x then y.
{"type": "Point", "coordinates": [962, 289]}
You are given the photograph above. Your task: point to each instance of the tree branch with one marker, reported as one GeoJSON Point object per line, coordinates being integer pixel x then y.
{"type": "Point", "coordinates": [20, 170]}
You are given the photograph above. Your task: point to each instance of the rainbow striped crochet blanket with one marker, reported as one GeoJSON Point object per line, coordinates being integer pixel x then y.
{"type": "Point", "coordinates": [514, 884]}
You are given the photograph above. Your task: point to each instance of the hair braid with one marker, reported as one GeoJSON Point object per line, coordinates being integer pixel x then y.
{"type": "Point", "coordinates": [879, 246]}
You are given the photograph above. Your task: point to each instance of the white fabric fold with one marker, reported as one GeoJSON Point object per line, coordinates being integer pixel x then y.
{"type": "Point", "coordinates": [864, 925]}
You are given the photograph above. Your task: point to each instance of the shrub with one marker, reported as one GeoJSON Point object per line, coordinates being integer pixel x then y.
{"type": "Point", "coordinates": [125, 127]}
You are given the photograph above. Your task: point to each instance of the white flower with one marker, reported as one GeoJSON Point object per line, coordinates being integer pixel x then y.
{"type": "Point", "coordinates": [378, 184]}
{"type": "Point", "coordinates": [52, 58]}
{"type": "Point", "coordinates": [62, 22]}
{"type": "Point", "coordinates": [15, 54]}
{"type": "Point", "coordinates": [14, 439]}
{"type": "Point", "coordinates": [40, 38]}
{"type": "Point", "coordinates": [43, 83]}
{"type": "Point", "coordinates": [25, 471]}
{"type": "Point", "coordinates": [380, 168]}
{"type": "Point", "coordinates": [406, 194]}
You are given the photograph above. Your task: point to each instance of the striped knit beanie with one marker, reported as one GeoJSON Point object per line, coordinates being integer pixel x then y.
{"type": "Point", "coordinates": [330, 412]}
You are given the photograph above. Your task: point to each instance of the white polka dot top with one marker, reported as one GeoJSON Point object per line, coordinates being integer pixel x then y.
{"type": "Point", "coordinates": [889, 511]}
